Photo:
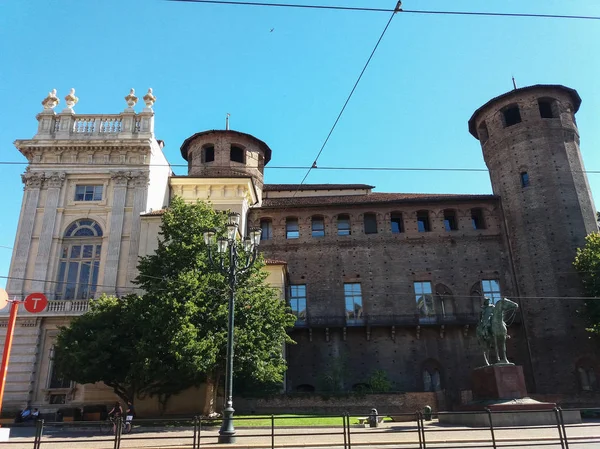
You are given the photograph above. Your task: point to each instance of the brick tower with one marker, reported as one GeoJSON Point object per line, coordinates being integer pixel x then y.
{"type": "Point", "coordinates": [226, 154]}
{"type": "Point", "coordinates": [530, 144]}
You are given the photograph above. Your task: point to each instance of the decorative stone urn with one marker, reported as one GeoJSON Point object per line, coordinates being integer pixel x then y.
{"type": "Point", "coordinates": [71, 100]}
{"type": "Point", "coordinates": [131, 99]}
{"type": "Point", "coordinates": [149, 99]}
{"type": "Point", "coordinates": [50, 101]}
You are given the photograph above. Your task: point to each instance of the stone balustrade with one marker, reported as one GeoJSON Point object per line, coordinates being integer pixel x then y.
{"type": "Point", "coordinates": [69, 125]}
{"type": "Point", "coordinates": [94, 126]}
{"type": "Point", "coordinates": [62, 308]}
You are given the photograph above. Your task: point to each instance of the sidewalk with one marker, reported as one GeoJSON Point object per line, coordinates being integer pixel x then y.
{"type": "Point", "coordinates": [403, 435]}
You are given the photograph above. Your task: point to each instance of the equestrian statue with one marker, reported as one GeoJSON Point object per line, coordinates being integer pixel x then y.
{"type": "Point", "coordinates": [491, 330]}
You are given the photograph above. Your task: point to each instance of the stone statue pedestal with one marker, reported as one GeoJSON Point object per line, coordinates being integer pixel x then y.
{"type": "Point", "coordinates": [498, 382]}
{"type": "Point", "coordinates": [501, 389]}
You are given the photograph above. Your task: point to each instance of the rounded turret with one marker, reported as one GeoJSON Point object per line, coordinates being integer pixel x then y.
{"type": "Point", "coordinates": [530, 145]}
{"type": "Point", "coordinates": [226, 154]}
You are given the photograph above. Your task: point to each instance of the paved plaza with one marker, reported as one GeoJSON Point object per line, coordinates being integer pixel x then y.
{"type": "Point", "coordinates": [397, 435]}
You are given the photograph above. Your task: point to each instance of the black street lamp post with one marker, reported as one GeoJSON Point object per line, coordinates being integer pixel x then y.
{"type": "Point", "coordinates": [241, 257]}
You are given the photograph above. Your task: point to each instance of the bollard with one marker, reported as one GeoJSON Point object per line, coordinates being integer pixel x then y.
{"type": "Point", "coordinates": [427, 413]}
{"type": "Point", "coordinates": [373, 419]}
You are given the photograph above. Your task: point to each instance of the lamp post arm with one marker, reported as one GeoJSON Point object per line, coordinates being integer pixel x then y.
{"type": "Point", "coordinates": [251, 258]}
{"type": "Point", "coordinates": [220, 265]}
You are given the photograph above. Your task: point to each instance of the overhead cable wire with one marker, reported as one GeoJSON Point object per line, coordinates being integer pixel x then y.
{"type": "Point", "coordinates": [381, 10]}
{"type": "Point", "coordinates": [314, 164]}
{"type": "Point", "coordinates": [277, 167]}
{"type": "Point", "coordinates": [175, 281]}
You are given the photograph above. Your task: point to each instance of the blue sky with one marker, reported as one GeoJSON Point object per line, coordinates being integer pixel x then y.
{"type": "Point", "coordinates": [287, 86]}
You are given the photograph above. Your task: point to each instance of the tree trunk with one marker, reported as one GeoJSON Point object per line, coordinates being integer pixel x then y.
{"type": "Point", "coordinates": [210, 396]}
{"type": "Point", "coordinates": [162, 403]}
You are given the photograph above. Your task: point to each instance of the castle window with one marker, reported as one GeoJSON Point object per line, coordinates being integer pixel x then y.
{"type": "Point", "coordinates": [343, 224]}
{"type": "Point", "coordinates": [208, 154]}
{"type": "Point", "coordinates": [491, 289]}
{"type": "Point", "coordinates": [318, 227]}
{"type": "Point", "coordinates": [353, 298]}
{"type": "Point", "coordinates": [477, 218]}
{"type": "Point", "coordinates": [236, 154]}
{"type": "Point", "coordinates": [547, 108]}
{"type": "Point", "coordinates": [450, 222]}
{"type": "Point", "coordinates": [586, 375]}
{"type": "Point", "coordinates": [266, 226]}
{"type": "Point", "coordinates": [482, 131]}
{"type": "Point", "coordinates": [524, 179]}
{"type": "Point", "coordinates": [370, 222]}
{"type": "Point", "coordinates": [423, 221]}
{"type": "Point", "coordinates": [445, 300]}
{"type": "Point", "coordinates": [88, 193]}
{"type": "Point", "coordinates": [292, 231]}
{"type": "Point", "coordinates": [424, 300]}
{"type": "Point", "coordinates": [432, 375]}
{"type": "Point", "coordinates": [54, 381]}
{"type": "Point", "coordinates": [397, 223]}
{"type": "Point", "coordinates": [79, 261]}
{"type": "Point", "coordinates": [298, 302]}
{"type": "Point", "coordinates": [511, 115]}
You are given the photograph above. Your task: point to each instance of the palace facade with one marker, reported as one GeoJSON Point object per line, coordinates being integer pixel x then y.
{"type": "Point", "coordinates": [382, 284]}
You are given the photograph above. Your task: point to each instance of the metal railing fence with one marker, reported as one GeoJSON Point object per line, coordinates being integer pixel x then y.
{"type": "Point", "coordinates": [411, 430]}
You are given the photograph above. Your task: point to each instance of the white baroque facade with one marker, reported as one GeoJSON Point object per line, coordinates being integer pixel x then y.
{"type": "Point", "coordinates": [90, 189]}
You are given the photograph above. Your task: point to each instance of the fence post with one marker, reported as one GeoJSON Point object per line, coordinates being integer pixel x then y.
{"type": "Point", "coordinates": [560, 435]}
{"type": "Point", "coordinates": [564, 430]}
{"type": "Point", "coordinates": [489, 413]}
{"type": "Point", "coordinates": [118, 428]}
{"type": "Point", "coordinates": [419, 430]}
{"type": "Point", "coordinates": [422, 429]}
{"type": "Point", "coordinates": [199, 430]}
{"type": "Point", "coordinates": [348, 420]}
{"type": "Point", "coordinates": [39, 429]}
{"type": "Point", "coordinates": [344, 427]}
{"type": "Point", "coordinates": [195, 423]}
{"type": "Point", "coordinates": [272, 431]}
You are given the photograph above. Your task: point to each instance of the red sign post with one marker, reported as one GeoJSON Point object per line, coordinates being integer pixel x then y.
{"type": "Point", "coordinates": [34, 303]}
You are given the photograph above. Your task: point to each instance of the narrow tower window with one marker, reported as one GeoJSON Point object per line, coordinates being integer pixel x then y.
{"type": "Point", "coordinates": [524, 179]}
{"type": "Point", "coordinates": [512, 115]}
{"type": "Point", "coordinates": [546, 108]}
{"type": "Point", "coordinates": [482, 131]}
{"type": "Point", "coordinates": [236, 154]}
{"type": "Point", "coordinates": [208, 154]}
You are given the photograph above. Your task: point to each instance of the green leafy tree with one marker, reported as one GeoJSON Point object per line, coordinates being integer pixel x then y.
{"type": "Point", "coordinates": [178, 326]}
{"type": "Point", "coordinates": [587, 263]}
{"type": "Point", "coordinates": [380, 382]}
